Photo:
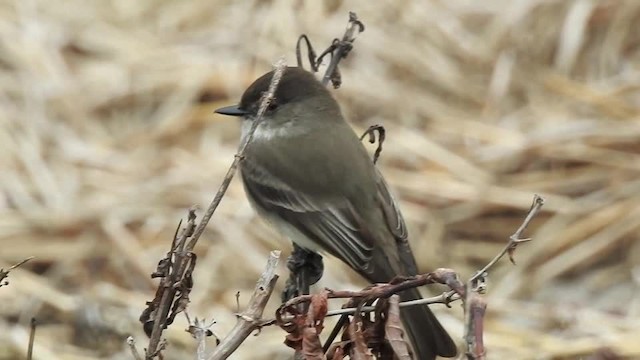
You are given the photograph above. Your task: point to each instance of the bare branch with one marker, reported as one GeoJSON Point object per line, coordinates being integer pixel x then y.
{"type": "Point", "coordinates": [475, 305]}
{"type": "Point", "coordinates": [514, 240]}
{"type": "Point", "coordinates": [172, 271]}
{"type": "Point", "coordinates": [5, 273]}
{"type": "Point", "coordinates": [251, 318]}
{"type": "Point", "coordinates": [311, 54]}
{"type": "Point", "coordinates": [131, 342]}
{"type": "Point", "coordinates": [376, 291]}
{"type": "Point", "coordinates": [340, 49]}
{"type": "Point", "coordinates": [371, 131]}
{"type": "Point", "coordinates": [444, 298]}
{"type": "Point", "coordinates": [32, 332]}
{"type": "Point", "coordinates": [200, 330]}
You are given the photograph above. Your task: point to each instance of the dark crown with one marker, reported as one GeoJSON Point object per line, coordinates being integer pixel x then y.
{"type": "Point", "coordinates": [296, 84]}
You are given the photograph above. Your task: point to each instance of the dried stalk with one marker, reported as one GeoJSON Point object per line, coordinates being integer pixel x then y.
{"type": "Point", "coordinates": [181, 250]}
{"type": "Point", "coordinates": [251, 318]}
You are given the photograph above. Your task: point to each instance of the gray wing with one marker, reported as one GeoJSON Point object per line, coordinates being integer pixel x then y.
{"type": "Point", "coordinates": [396, 224]}
{"type": "Point", "coordinates": [335, 227]}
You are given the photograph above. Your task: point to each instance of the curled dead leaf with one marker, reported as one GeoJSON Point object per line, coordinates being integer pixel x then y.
{"type": "Point", "coordinates": [394, 333]}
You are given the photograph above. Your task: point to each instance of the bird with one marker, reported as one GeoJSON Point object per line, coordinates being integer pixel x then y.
{"type": "Point", "coordinates": [308, 174]}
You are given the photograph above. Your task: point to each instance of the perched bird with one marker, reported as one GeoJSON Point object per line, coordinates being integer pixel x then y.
{"type": "Point", "coordinates": [308, 174]}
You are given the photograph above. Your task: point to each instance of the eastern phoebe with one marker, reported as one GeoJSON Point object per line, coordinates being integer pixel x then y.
{"type": "Point", "coordinates": [308, 174]}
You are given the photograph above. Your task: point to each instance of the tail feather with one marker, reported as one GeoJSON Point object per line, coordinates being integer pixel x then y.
{"type": "Point", "coordinates": [428, 337]}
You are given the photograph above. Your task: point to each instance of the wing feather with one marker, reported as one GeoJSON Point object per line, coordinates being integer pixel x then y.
{"type": "Point", "coordinates": [396, 224]}
{"type": "Point", "coordinates": [333, 225]}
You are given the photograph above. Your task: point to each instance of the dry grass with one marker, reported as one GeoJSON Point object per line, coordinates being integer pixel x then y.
{"type": "Point", "coordinates": [107, 135]}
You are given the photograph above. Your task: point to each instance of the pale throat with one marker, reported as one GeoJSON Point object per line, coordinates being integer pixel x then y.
{"type": "Point", "coordinates": [267, 131]}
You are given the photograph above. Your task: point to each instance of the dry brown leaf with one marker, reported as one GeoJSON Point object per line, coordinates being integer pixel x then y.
{"type": "Point", "coordinates": [317, 311]}
{"type": "Point", "coordinates": [311, 345]}
{"type": "Point", "coordinates": [294, 328]}
{"type": "Point", "coordinates": [338, 354]}
{"type": "Point", "coordinates": [394, 333]}
{"type": "Point", "coordinates": [337, 351]}
{"type": "Point", "coordinates": [359, 350]}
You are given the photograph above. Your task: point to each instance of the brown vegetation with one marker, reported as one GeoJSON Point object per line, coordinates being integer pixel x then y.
{"type": "Point", "coordinates": [108, 136]}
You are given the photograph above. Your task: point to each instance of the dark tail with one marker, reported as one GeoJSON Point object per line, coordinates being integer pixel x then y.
{"type": "Point", "coordinates": [428, 337]}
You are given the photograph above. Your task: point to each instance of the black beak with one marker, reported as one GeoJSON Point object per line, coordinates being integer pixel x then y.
{"type": "Point", "coordinates": [232, 110]}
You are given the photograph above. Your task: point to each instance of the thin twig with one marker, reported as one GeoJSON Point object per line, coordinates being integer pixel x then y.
{"type": "Point", "coordinates": [474, 304]}
{"type": "Point", "coordinates": [200, 330]}
{"type": "Point", "coordinates": [440, 276]}
{"type": "Point", "coordinates": [371, 131]}
{"type": "Point", "coordinates": [32, 333]}
{"type": "Point", "coordinates": [444, 298]}
{"type": "Point", "coordinates": [514, 240]}
{"type": "Point", "coordinates": [172, 275]}
{"type": "Point", "coordinates": [251, 318]}
{"type": "Point", "coordinates": [201, 340]}
{"type": "Point", "coordinates": [342, 48]}
{"type": "Point", "coordinates": [131, 342]}
{"type": "Point", "coordinates": [311, 54]}
{"type": "Point", "coordinates": [440, 299]}
{"type": "Point", "coordinates": [5, 273]}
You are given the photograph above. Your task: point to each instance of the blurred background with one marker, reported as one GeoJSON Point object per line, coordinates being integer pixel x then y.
{"type": "Point", "coordinates": [108, 136]}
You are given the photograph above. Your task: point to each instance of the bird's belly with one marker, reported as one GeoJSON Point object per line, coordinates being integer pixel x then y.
{"type": "Point", "coordinates": [288, 230]}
